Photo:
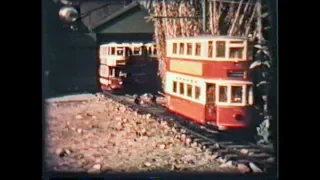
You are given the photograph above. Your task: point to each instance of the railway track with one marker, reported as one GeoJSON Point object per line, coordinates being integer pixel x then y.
{"type": "Point", "coordinates": [226, 147]}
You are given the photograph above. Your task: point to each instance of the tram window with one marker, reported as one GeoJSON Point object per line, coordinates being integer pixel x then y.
{"type": "Point", "coordinates": [210, 49]}
{"type": "Point", "coordinates": [128, 51]}
{"type": "Point", "coordinates": [118, 72]}
{"type": "Point", "coordinates": [174, 48]}
{"type": "Point", "coordinates": [250, 49]}
{"type": "Point", "coordinates": [149, 50]}
{"type": "Point", "coordinates": [236, 94]}
{"type": "Point", "coordinates": [198, 49]}
{"type": "Point", "coordinates": [111, 72]}
{"type": "Point", "coordinates": [221, 48]}
{"type": "Point", "coordinates": [154, 50]}
{"type": "Point", "coordinates": [211, 93]}
{"type": "Point", "coordinates": [120, 52]}
{"type": "Point", "coordinates": [189, 90]}
{"type": "Point", "coordinates": [181, 48]}
{"type": "Point", "coordinates": [249, 94]}
{"type": "Point", "coordinates": [113, 51]}
{"type": "Point", "coordinates": [136, 51]}
{"type": "Point", "coordinates": [174, 87]}
{"type": "Point", "coordinates": [189, 48]}
{"type": "Point", "coordinates": [223, 93]}
{"type": "Point", "coordinates": [181, 88]}
{"type": "Point", "coordinates": [236, 52]}
{"type": "Point", "coordinates": [197, 92]}
{"type": "Point", "coordinates": [144, 50]}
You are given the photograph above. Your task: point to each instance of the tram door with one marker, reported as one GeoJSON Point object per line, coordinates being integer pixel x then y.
{"type": "Point", "coordinates": [210, 107]}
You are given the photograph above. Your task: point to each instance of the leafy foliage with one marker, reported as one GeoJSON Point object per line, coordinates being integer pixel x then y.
{"type": "Point", "coordinates": [263, 64]}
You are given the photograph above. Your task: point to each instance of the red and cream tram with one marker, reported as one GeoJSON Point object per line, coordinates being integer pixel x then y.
{"type": "Point", "coordinates": [113, 60]}
{"type": "Point", "coordinates": [207, 80]}
{"type": "Point", "coordinates": [139, 61]}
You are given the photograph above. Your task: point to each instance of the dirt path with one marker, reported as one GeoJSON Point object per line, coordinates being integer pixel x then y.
{"type": "Point", "coordinates": [99, 135]}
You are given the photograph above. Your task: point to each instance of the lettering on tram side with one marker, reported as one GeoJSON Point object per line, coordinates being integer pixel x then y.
{"type": "Point", "coordinates": [193, 68]}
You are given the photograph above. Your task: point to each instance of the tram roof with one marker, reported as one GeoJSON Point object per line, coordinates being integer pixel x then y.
{"type": "Point", "coordinates": [127, 43]}
{"type": "Point", "coordinates": [204, 37]}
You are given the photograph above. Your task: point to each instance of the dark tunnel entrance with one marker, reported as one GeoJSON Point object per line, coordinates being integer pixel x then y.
{"type": "Point", "coordinates": [74, 65]}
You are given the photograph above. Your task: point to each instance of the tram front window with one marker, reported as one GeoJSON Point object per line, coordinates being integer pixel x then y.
{"type": "Point", "coordinates": [236, 94]}
{"type": "Point", "coordinates": [120, 72]}
{"type": "Point", "coordinates": [236, 52]}
{"type": "Point", "coordinates": [117, 72]}
{"type": "Point", "coordinates": [223, 94]}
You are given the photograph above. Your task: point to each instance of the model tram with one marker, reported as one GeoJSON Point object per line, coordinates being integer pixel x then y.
{"type": "Point", "coordinates": [113, 59]}
{"type": "Point", "coordinates": [125, 65]}
{"type": "Point", "coordinates": [207, 80]}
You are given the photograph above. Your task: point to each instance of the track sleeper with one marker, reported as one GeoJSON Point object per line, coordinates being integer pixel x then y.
{"type": "Point", "coordinates": [223, 152]}
{"type": "Point", "coordinates": [238, 146]}
{"type": "Point", "coordinates": [241, 161]}
{"type": "Point", "coordinates": [213, 148]}
{"type": "Point", "coordinates": [261, 155]}
{"type": "Point", "coordinates": [230, 156]}
{"type": "Point", "coordinates": [206, 143]}
{"type": "Point", "coordinates": [225, 143]}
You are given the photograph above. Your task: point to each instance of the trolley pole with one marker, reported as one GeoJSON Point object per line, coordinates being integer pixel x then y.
{"type": "Point", "coordinates": [204, 15]}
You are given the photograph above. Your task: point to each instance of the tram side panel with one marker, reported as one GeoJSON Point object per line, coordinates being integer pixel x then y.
{"type": "Point", "coordinates": [222, 103]}
{"type": "Point", "coordinates": [189, 109]}
{"type": "Point", "coordinates": [184, 98]}
{"type": "Point", "coordinates": [234, 117]}
{"type": "Point", "coordinates": [213, 69]}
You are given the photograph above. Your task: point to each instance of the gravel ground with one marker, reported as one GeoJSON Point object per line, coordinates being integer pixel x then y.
{"type": "Point", "coordinates": [99, 135]}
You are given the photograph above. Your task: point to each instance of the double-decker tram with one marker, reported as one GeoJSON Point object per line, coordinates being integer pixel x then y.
{"type": "Point", "coordinates": [210, 56]}
{"type": "Point", "coordinates": [207, 80]}
{"type": "Point", "coordinates": [139, 62]}
{"type": "Point", "coordinates": [113, 59]}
